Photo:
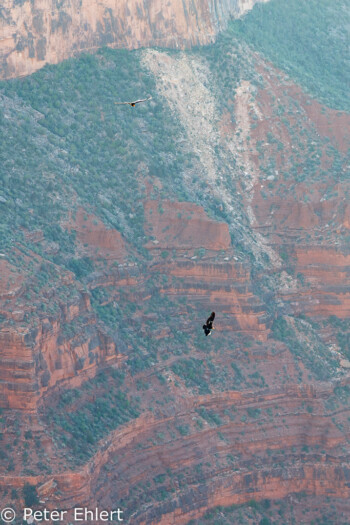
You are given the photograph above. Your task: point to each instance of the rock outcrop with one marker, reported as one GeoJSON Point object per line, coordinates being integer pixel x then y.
{"type": "Point", "coordinates": [197, 463]}
{"type": "Point", "coordinates": [223, 285]}
{"type": "Point", "coordinates": [64, 347]}
{"type": "Point", "coordinates": [39, 32]}
{"type": "Point", "coordinates": [95, 239]}
{"type": "Point", "coordinates": [183, 226]}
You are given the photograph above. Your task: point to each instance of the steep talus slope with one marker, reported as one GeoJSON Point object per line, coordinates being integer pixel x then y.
{"type": "Point", "coordinates": [185, 83]}
{"type": "Point", "coordinates": [124, 229]}
{"type": "Point", "coordinates": [39, 32]}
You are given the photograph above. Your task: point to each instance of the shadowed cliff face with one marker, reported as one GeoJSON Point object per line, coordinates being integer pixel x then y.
{"type": "Point", "coordinates": [39, 32]}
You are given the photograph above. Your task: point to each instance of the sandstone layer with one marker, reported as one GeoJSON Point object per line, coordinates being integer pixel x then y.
{"type": "Point", "coordinates": [33, 34]}
{"type": "Point", "coordinates": [258, 410]}
{"type": "Point", "coordinates": [183, 226]}
{"type": "Point", "coordinates": [65, 347]}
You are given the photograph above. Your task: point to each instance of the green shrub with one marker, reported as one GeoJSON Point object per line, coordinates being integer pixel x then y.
{"type": "Point", "coordinates": [30, 495]}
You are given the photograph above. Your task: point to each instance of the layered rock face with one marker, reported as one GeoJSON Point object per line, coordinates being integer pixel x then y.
{"type": "Point", "coordinates": [183, 226]}
{"type": "Point", "coordinates": [223, 285]}
{"type": "Point", "coordinates": [65, 347]}
{"type": "Point", "coordinates": [121, 401]}
{"type": "Point", "coordinates": [306, 215]}
{"type": "Point", "coordinates": [95, 239]}
{"type": "Point", "coordinates": [33, 34]}
{"type": "Point", "coordinates": [326, 273]}
{"type": "Point", "coordinates": [202, 471]}
{"type": "Point", "coordinates": [261, 431]}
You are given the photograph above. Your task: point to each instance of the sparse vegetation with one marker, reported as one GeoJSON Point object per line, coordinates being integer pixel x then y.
{"type": "Point", "coordinates": [317, 358]}
{"type": "Point", "coordinates": [66, 145]}
{"type": "Point", "coordinates": [79, 430]}
{"type": "Point", "coordinates": [192, 371]}
{"type": "Point", "coordinates": [295, 35]}
{"type": "Point", "coordinates": [30, 495]}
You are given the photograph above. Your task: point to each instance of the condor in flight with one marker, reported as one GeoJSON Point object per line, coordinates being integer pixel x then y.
{"type": "Point", "coordinates": [133, 104]}
{"type": "Point", "coordinates": [208, 326]}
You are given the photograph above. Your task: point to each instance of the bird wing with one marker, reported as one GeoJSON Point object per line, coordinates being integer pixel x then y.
{"type": "Point", "coordinates": [135, 101]}
{"type": "Point", "coordinates": [210, 319]}
{"type": "Point", "coordinates": [142, 100]}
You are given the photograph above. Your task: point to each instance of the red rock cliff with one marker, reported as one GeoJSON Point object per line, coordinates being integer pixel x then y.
{"type": "Point", "coordinates": [35, 33]}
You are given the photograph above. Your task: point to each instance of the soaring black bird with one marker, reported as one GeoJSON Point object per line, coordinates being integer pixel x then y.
{"type": "Point", "coordinates": [133, 104]}
{"type": "Point", "coordinates": [208, 326]}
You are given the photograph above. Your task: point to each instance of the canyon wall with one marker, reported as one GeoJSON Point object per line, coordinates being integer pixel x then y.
{"type": "Point", "coordinates": [39, 32]}
{"type": "Point", "coordinates": [109, 317]}
{"type": "Point", "coordinates": [63, 349]}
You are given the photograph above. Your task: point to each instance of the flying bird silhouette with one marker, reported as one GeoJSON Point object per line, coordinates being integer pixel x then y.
{"type": "Point", "coordinates": [133, 104]}
{"type": "Point", "coordinates": [208, 326]}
